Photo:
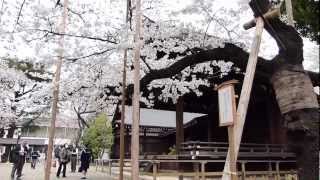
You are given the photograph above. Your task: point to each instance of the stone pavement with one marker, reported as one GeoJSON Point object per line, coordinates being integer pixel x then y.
{"type": "Point", "coordinates": [38, 173]}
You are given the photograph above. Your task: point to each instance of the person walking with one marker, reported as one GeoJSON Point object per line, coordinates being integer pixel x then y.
{"type": "Point", "coordinates": [74, 157]}
{"type": "Point", "coordinates": [19, 158]}
{"type": "Point", "coordinates": [63, 160]}
{"type": "Point", "coordinates": [85, 162]}
{"type": "Point", "coordinates": [34, 158]}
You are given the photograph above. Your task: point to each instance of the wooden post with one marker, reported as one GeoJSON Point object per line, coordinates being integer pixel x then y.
{"type": "Point", "coordinates": [110, 167]}
{"type": "Point", "coordinates": [96, 162]}
{"type": "Point", "coordinates": [245, 95]}
{"type": "Point", "coordinates": [278, 170]}
{"type": "Point", "coordinates": [289, 12]}
{"type": "Point", "coordinates": [209, 133]}
{"type": "Point", "coordinates": [123, 109]}
{"type": "Point", "coordinates": [56, 93]}
{"type": "Point", "coordinates": [243, 170]}
{"type": "Point", "coordinates": [102, 165]}
{"type": "Point", "coordinates": [203, 170]}
{"type": "Point", "coordinates": [228, 117]}
{"type": "Point", "coordinates": [269, 169]}
{"type": "Point", "coordinates": [136, 96]}
{"type": "Point", "coordinates": [233, 159]}
{"type": "Point", "coordinates": [127, 143]}
{"type": "Point", "coordinates": [144, 143]}
{"type": "Point", "coordinates": [179, 124]}
{"type": "Point", "coordinates": [179, 129]}
{"type": "Point", "coordinates": [196, 170]}
{"type": "Point", "coordinates": [154, 170]}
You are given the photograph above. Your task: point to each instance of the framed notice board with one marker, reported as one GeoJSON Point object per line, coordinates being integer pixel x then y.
{"type": "Point", "coordinates": [227, 109]}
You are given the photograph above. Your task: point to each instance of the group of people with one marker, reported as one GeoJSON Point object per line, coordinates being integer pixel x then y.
{"type": "Point", "coordinates": [65, 154]}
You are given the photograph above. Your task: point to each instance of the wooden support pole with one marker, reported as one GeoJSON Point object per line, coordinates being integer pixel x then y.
{"type": "Point", "coordinates": [233, 159]}
{"type": "Point", "coordinates": [278, 170]}
{"type": "Point", "coordinates": [270, 169]}
{"type": "Point", "coordinates": [154, 170]}
{"type": "Point", "coordinates": [243, 170]}
{"type": "Point", "coordinates": [136, 96]}
{"type": "Point", "coordinates": [179, 124]}
{"type": "Point", "coordinates": [245, 95]}
{"type": "Point", "coordinates": [144, 141]}
{"type": "Point", "coordinates": [56, 93]}
{"type": "Point", "coordinates": [96, 162]}
{"type": "Point", "coordinates": [179, 129]}
{"type": "Point", "coordinates": [196, 170]}
{"type": "Point", "coordinates": [102, 165]}
{"type": "Point", "coordinates": [203, 170]}
{"type": "Point", "coordinates": [123, 101]}
{"type": "Point", "coordinates": [289, 12]}
{"type": "Point", "coordinates": [110, 167]}
{"type": "Point", "coordinates": [123, 110]}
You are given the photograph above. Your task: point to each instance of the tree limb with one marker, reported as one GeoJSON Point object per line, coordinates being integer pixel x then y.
{"type": "Point", "coordinates": [90, 55]}
{"type": "Point", "coordinates": [20, 11]}
{"type": "Point", "coordinates": [78, 36]}
{"type": "Point", "coordinates": [229, 52]}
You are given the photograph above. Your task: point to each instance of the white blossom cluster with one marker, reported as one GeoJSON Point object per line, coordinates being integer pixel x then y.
{"type": "Point", "coordinates": [94, 42]}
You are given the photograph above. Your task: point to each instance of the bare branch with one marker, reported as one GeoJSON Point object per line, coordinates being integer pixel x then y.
{"type": "Point", "coordinates": [78, 36]}
{"type": "Point", "coordinates": [148, 66]}
{"type": "Point", "coordinates": [90, 55]}
{"type": "Point", "coordinates": [20, 11]}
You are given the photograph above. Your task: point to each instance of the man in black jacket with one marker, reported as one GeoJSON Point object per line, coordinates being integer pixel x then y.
{"type": "Point", "coordinates": [19, 155]}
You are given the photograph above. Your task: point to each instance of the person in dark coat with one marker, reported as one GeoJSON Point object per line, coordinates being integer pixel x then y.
{"type": "Point", "coordinates": [19, 159]}
{"type": "Point", "coordinates": [85, 162]}
{"type": "Point", "coordinates": [34, 158]}
{"type": "Point", "coordinates": [63, 160]}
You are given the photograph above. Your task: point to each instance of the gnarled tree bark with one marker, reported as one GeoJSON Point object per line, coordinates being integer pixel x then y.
{"type": "Point", "coordinates": [294, 93]}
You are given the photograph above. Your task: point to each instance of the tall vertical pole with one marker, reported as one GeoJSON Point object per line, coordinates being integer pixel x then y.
{"type": "Point", "coordinates": [245, 95]}
{"type": "Point", "coordinates": [136, 96]}
{"type": "Point", "coordinates": [179, 128]}
{"type": "Point", "coordinates": [289, 12]}
{"type": "Point", "coordinates": [124, 77]}
{"type": "Point", "coordinates": [56, 93]}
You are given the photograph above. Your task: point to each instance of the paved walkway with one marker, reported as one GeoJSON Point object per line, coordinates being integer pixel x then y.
{"type": "Point", "coordinates": [38, 173]}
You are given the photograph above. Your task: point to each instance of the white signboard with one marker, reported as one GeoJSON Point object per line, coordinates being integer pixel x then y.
{"type": "Point", "coordinates": [226, 107]}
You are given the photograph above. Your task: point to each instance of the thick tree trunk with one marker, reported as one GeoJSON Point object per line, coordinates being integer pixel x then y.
{"type": "Point", "coordinates": [294, 93]}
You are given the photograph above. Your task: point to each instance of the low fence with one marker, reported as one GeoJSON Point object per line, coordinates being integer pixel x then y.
{"type": "Point", "coordinates": [200, 169]}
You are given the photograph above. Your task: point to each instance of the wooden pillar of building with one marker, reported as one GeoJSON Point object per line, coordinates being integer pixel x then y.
{"type": "Point", "coordinates": [144, 141]}
{"type": "Point", "coordinates": [179, 124]}
{"type": "Point", "coordinates": [210, 129]}
{"type": "Point", "coordinates": [179, 128]}
{"type": "Point", "coordinates": [127, 143]}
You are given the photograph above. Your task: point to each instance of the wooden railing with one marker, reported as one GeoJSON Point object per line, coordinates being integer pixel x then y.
{"type": "Point", "coordinates": [219, 150]}
{"type": "Point", "coordinates": [271, 173]}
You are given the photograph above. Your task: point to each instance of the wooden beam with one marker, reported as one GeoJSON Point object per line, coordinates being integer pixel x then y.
{"type": "Point", "coordinates": [245, 95]}
{"type": "Point", "coordinates": [56, 92]}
